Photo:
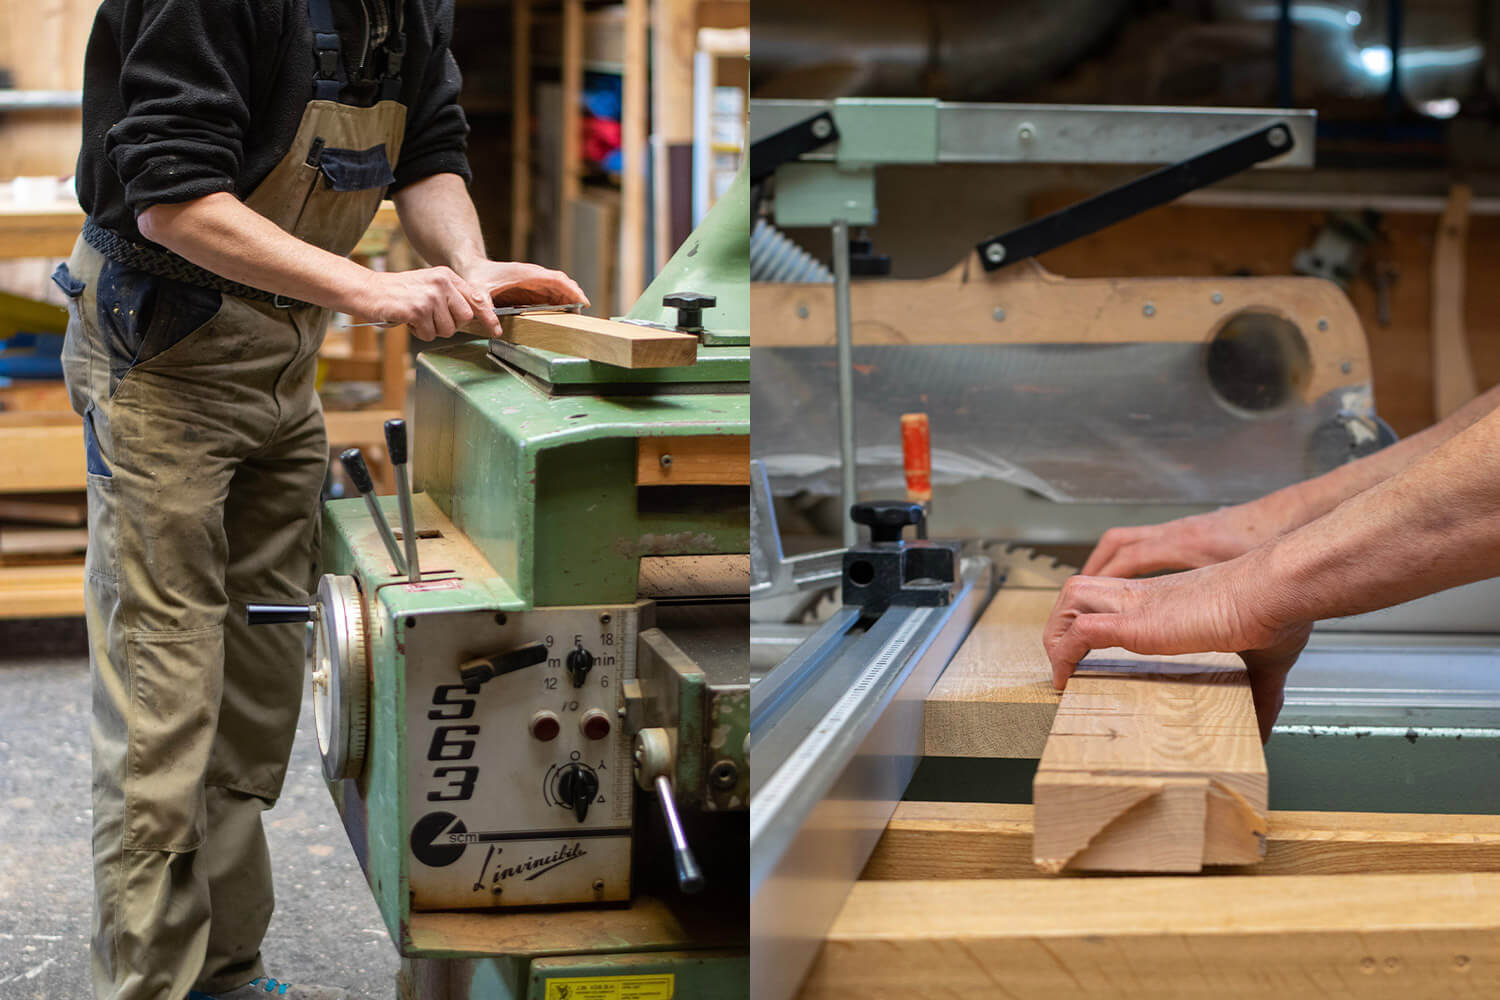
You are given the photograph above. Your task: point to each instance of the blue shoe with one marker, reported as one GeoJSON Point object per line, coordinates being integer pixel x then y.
{"type": "Point", "coordinates": [266, 988]}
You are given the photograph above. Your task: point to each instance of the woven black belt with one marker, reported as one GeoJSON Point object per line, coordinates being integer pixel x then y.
{"type": "Point", "coordinates": [166, 264]}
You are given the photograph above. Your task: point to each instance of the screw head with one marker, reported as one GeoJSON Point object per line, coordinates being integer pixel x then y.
{"type": "Point", "coordinates": [1149, 310]}
{"type": "Point", "coordinates": [1218, 298]}
{"type": "Point", "coordinates": [598, 885]}
{"type": "Point", "coordinates": [604, 619]}
{"type": "Point", "coordinates": [994, 253]}
{"type": "Point", "coordinates": [822, 128]}
{"type": "Point", "coordinates": [999, 315]}
{"type": "Point", "coordinates": [1346, 367]}
{"type": "Point", "coordinates": [1322, 324]}
{"type": "Point", "coordinates": [802, 312]}
{"type": "Point", "coordinates": [1026, 132]}
{"type": "Point", "coordinates": [666, 461]}
{"type": "Point", "coordinates": [1277, 137]}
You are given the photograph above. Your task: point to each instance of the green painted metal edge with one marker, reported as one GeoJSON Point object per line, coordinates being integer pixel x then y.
{"type": "Point", "coordinates": [887, 130]}
{"type": "Point", "coordinates": [715, 364]}
{"type": "Point", "coordinates": [715, 260]}
{"type": "Point", "coordinates": [816, 194]}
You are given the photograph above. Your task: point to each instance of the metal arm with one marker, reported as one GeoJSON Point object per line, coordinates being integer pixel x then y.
{"type": "Point", "coordinates": [1156, 188]}
{"type": "Point", "coordinates": [395, 441]}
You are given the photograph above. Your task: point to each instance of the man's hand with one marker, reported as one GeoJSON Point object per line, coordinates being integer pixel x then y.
{"type": "Point", "coordinates": [432, 302]}
{"type": "Point", "coordinates": [1231, 607]}
{"type": "Point", "coordinates": [1186, 543]}
{"type": "Point", "coordinates": [514, 283]}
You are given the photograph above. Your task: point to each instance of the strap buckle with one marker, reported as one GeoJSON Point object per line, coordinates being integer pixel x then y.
{"type": "Point", "coordinates": [282, 302]}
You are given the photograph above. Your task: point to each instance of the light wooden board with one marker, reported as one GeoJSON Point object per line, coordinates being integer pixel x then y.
{"type": "Point", "coordinates": [622, 344]}
{"type": "Point", "coordinates": [959, 307]}
{"type": "Point", "coordinates": [986, 840]}
{"type": "Point", "coordinates": [41, 591]}
{"type": "Point", "coordinates": [31, 541]}
{"type": "Point", "coordinates": [1452, 368]}
{"type": "Point", "coordinates": [70, 509]}
{"type": "Point", "coordinates": [995, 698]}
{"type": "Point", "coordinates": [1284, 936]}
{"type": "Point", "coordinates": [721, 460]}
{"type": "Point", "coordinates": [40, 452]}
{"type": "Point", "coordinates": [1153, 764]}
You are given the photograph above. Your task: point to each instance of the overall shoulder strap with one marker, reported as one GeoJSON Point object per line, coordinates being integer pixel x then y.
{"type": "Point", "coordinates": [328, 65]}
{"type": "Point", "coordinates": [393, 52]}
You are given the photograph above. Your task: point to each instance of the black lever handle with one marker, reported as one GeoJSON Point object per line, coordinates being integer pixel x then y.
{"type": "Point", "coordinates": [278, 614]}
{"type": "Point", "coordinates": [395, 440]}
{"type": "Point", "coordinates": [359, 473]}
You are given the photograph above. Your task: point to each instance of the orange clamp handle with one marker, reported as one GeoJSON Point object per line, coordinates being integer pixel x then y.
{"type": "Point", "coordinates": [916, 453]}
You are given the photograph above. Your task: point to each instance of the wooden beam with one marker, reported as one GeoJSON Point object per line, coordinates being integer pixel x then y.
{"type": "Point", "coordinates": [995, 698]}
{"type": "Point", "coordinates": [960, 307]}
{"type": "Point", "coordinates": [1153, 764]}
{"type": "Point", "coordinates": [1452, 367]}
{"type": "Point", "coordinates": [41, 591]}
{"type": "Point", "coordinates": [571, 165]}
{"type": "Point", "coordinates": [986, 840]}
{"type": "Point", "coordinates": [1378, 937]}
{"type": "Point", "coordinates": [622, 344]}
{"type": "Point", "coordinates": [633, 221]}
{"type": "Point", "coordinates": [716, 460]}
{"type": "Point", "coordinates": [520, 131]}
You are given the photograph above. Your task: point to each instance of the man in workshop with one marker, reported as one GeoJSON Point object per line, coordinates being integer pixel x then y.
{"type": "Point", "coordinates": [234, 151]}
{"type": "Point", "coordinates": [1417, 517]}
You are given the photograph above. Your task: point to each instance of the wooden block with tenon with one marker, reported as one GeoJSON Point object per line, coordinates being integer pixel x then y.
{"type": "Point", "coordinates": [623, 344]}
{"type": "Point", "coordinates": [1152, 765]}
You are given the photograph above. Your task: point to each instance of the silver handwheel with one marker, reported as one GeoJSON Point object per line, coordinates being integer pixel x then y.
{"type": "Point", "coordinates": [341, 677]}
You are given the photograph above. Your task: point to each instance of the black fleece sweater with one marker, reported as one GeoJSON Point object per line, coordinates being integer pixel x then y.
{"type": "Point", "coordinates": [184, 98]}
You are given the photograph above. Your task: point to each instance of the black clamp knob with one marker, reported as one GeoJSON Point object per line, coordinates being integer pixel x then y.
{"type": "Point", "coordinates": [580, 661]}
{"type": "Point", "coordinates": [576, 787]}
{"type": "Point", "coordinates": [689, 306]}
{"type": "Point", "coordinates": [886, 518]}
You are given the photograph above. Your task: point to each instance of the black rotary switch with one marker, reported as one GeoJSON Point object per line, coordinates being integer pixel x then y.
{"type": "Point", "coordinates": [576, 787]}
{"type": "Point", "coordinates": [579, 663]}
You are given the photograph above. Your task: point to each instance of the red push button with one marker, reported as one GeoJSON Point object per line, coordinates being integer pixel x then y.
{"type": "Point", "coordinates": [545, 727]}
{"type": "Point", "coordinates": [595, 724]}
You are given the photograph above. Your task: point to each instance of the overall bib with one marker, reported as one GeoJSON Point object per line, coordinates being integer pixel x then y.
{"type": "Point", "coordinates": [206, 459]}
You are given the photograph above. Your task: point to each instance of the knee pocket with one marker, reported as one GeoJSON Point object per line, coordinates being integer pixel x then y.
{"type": "Point", "coordinates": [176, 682]}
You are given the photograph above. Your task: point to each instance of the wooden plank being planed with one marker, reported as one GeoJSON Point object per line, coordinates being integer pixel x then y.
{"type": "Point", "coordinates": [1153, 764]}
{"type": "Point", "coordinates": [1293, 937]}
{"type": "Point", "coordinates": [623, 344]}
{"type": "Point", "coordinates": [986, 840]}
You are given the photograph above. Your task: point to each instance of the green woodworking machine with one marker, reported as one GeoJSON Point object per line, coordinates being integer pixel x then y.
{"type": "Point", "coordinates": [532, 700]}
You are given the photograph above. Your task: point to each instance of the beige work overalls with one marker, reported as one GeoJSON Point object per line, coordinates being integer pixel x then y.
{"type": "Point", "coordinates": [206, 457]}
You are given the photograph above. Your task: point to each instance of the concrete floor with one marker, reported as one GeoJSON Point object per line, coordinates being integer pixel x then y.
{"type": "Point", "coordinates": [326, 929]}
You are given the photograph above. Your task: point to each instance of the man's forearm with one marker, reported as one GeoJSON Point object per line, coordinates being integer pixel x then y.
{"type": "Point", "coordinates": [438, 218]}
{"type": "Point", "coordinates": [1433, 525]}
{"type": "Point", "coordinates": [1303, 502]}
{"type": "Point", "coordinates": [221, 233]}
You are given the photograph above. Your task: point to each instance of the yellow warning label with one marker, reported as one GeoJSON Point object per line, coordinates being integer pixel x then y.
{"type": "Point", "coordinates": [657, 987]}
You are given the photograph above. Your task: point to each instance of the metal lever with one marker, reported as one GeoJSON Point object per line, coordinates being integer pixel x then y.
{"type": "Point", "coordinates": [395, 442]}
{"type": "Point", "coordinates": [359, 474]}
{"type": "Point", "coordinates": [1156, 188]}
{"type": "Point", "coordinates": [689, 875]}
{"type": "Point", "coordinates": [279, 614]}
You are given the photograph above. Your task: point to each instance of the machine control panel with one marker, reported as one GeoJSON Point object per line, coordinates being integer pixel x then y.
{"type": "Point", "coordinates": [519, 776]}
